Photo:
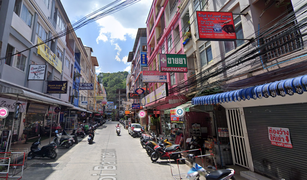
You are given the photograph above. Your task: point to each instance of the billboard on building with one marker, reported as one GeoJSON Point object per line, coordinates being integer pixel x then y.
{"type": "Point", "coordinates": [57, 87]}
{"type": "Point", "coordinates": [143, 59]}
{"type": "Point", "coordinates": [154, 76]}
{"type": "Point", "coordinates": [109, 106]}
{"type": "Point", "coordinates": [86, 86]}
{"type": "Point", "coordinates": [37, 72]}
{"type": "Point", "coordinates": [173, 63]}
{"type": "Point", "coordinates": [215, 26]}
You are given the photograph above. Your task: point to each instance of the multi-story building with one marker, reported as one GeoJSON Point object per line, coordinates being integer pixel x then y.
{"type": "Point", "coordinates": [37, 55]}
{"type": "Point", "coordinates": [251, 88]}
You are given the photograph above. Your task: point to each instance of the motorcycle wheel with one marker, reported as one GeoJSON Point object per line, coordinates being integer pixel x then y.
{"type": "Point", "coordinates": [31, 154]}
{"type": "Point", "coordinates": [67, 145]}
{"type": "Point", "coordinates": [148, 152]}
{"type": "Point", "coordinates": [52, 154]}
{"type": "Point", "coordinates": [178, 155]}
{"type": "Point", "coordinates": [154, 157]}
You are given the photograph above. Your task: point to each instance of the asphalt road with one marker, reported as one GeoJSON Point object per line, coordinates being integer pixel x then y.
{"type": "Point", "coordinates": [111, 157]}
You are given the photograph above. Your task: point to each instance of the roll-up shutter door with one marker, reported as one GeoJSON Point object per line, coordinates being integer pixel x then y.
{"type": "Point", "coordinates": [274, 161]}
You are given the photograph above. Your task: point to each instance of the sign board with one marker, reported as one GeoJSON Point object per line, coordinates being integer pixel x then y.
{"type": "Point", "coordinates": [154, 76]}
{"type": "Point", "coordinates": [57, 87]}
{"type": "Point", "coordinates": [84, 103]}
{"type": "Point", "coordinates": [174, 117]}
{"type": "Point", "coordinates": [44, 51]}
{"type": "Point", "coordinates": [280, 137]}
{"type": "Point", "coordinates": [83, 114]}
{"type": "Point", "coordinates": [143, 59]}
{"type": "Point", "coordinates": [127, 112]}
{"type": "Point", "coordinates": [4, 112]}
{"type": "Point", "coordinates": [139, 91]}
{"type": "Point", "coordinates": [142, 114]}
{"type": "Point", "coordinates": [86, 86]}
{"type": "Point", "coordinates": [57, 110]}
{"type": "Point", "coordinates": [133, 96]}
{"type": "Point", "coordinates": [109, 106]}
{"type": "Point", "coordinates": [37, 108]}
{"type": "Point", "coordinates": [161, 92]}
{"type": "Point", "coordinates": [136, 106]}
{"type": "Point", "coordinates": [180, 112]}
{"type": "Point", "coordinates": [173, 63]}
{"type": "Point", "coordinates": [215, 25]}
{"type": "Point", "coordinates": [10, 104]}
{"type": "Point", "coordinates": [37, 72]}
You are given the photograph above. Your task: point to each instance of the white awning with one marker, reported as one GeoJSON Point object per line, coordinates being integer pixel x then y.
{"type": "Point", "coordinates": [10, 89]}
{"type": "Point", "coordinates": [78, 109]}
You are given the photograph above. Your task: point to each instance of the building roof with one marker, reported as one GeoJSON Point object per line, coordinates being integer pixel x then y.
{"type": "Point", "coordinates": [94, 61]}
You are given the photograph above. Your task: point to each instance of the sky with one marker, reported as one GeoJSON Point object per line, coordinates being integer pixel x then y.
{"type": "Point", "coordinates": [111, 37]}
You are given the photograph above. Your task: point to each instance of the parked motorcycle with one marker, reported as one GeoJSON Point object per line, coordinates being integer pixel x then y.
{"type": "Point", "coordinates": [72, 135]}
{"type": "Point", "coordinates": [145, 138]}
{"type": "Point", "coordinates": [80, 133]}
{"type": "Point", "coordinates": [63, 142]}
{"type": "Point", "coordinates": [150, 145]}
{"type": "Point", "coordinates": [91, 137]}
{"type": "Point", "coordinates": [222, 174]}
{"type": "Point", "coordinates": [45, 151]}
{"type": "Point", "coordinates": [118, 131]}
{"type": "Point", "coordinates": [165, 153]}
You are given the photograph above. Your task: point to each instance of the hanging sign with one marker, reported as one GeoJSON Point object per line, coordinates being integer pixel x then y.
{"type": "Point", "coordinates": [143, 59]}
{"type": "Point", "coordinates": [180, 112]}
{"type": "Point", "coordinates": [142, 114]}
{"type": "Point", "coordinates": [57, 109]}
{"type": "Point", "coordinates": [4, 112]}
{"type": "Point", "coordinates": [37, 72]}
{"type": "Point", "coordinates": [139, 91]}
{"type": "Point", "coordinates": [154, 76]}
{"type": "Point", "coordinates": [136, 106]}
{"type": "Point", "coordinates": [173, 63]}
{"type": "Point", "coordinates": [215, 25]}
{"type": "Point", "coordinates": [86, 86]}
{"type": "Point", "coordinates": [280, 137]}
{"type": "Point", "coordinates": [57, 87]}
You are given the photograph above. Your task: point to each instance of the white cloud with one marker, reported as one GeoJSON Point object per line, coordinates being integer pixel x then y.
{"type": "Point", "coordinates": [124, 59]}
{"type": "Point", "coordinates": [98, 70]}
{"type": "Point", "coordinates": [128, 68]}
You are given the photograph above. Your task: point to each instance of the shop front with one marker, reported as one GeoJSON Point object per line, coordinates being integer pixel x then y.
{"type": "Point", "coordinates": [266, 126]}
{"type": "Point", "coordinates": [13, 121]}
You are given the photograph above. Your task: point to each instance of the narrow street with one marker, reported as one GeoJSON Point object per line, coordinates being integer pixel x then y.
{"type": "Point", "coordinates": [110, 157]}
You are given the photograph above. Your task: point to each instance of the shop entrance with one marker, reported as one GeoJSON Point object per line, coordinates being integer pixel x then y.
{"type": "Point", "coordinates": [238, 138]}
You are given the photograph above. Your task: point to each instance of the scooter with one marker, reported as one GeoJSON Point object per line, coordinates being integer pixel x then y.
{"type": "Point", "coordinates": [222, 174]}
{"type": "Point", "coordinates": [150, 145]}
{"type": "Point", "coordinates": [165, 153]}
{"type": "Point", "coordinates": [91, 137]}
{"type": "Point", "coordinates": [72, 135]}
{"type": "Point", "coordinates": [63, 142]}
{"type": "Point", "coordinates": [118, 131]}
{"type": "Point", "coordinates": [45, 151]}
{"type": "Point", "coordinates": [145, 138]}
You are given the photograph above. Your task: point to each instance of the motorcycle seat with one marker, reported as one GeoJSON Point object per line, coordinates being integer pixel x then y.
{"type": "Point", "coordinates": [171, 148]}
{"type": "Point", "coordinates": [218, 173]}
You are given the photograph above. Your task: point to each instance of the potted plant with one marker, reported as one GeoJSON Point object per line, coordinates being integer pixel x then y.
{"type": "Point", "coordinates": [186, 38]}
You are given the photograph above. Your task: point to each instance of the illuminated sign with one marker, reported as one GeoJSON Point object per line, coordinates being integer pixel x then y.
{"type": "Point", "coordinates": [215, 26]}
{"type": "Point", "coordinates": [173, 63]}
{"type": "Point", "coordinates": [4, 112]}
{"type": "Point", "coordinates": [142, 114]}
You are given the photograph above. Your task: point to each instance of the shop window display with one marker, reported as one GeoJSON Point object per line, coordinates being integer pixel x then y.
{"type": "Point", "coordinates": [7, 124]}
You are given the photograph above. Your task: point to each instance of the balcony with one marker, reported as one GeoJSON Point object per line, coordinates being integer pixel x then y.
{"type": "Point", "coordinates": [280, 43]}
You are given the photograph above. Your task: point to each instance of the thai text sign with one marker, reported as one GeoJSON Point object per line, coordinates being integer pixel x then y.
{"type": "Point", "coordinates": [174, 117]}
{"type": "Point", "coordinates": [154, 76]}
{"type": "Point", "coordinates": [57, 87]}
{"type": "Point", "coordinates": [37, 72]}
{"type": "Point", "coordinates": [280, 137]}
{"type": "Point", "coordinates": [143, 59]}
{"type": "Point", "coordinates": [86, 86]}
{"type": "Point", "coordinates": [136, 106]}
{"type": "Point", "coordinates": [44, 51]}
{"type": "Point", "coordinates": [10, 104]}
{"type": "Point", "coordinates": [215, 25]}
{"type": "Point", "coordinates": [173, 63]}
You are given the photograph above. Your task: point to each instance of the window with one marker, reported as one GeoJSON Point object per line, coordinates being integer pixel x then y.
{"type": "Point", "coordinates": [199, 5]}
{"type": "Point", "coordinates": [205, 53]}
{"type": "Point", "coordinates": [230, 45]}
{"type": "Point", "coordinates": [20, 62]}
{"type": "Point", "coordinates": [163, 49]}
{"type": "Point", "coordinates": [9, 53]}
{"type": "Point", "coordinates": [41, 32]}
{"type": "Point", "coordinates": [17, 7]}
{"type": "Point", "coordinates": [26, 15]}
{"type": "Point", "coordinates": [67, 63]}
{"type": "Point", "coordinates": [169, 43]}
{"type": "Point", "coordinates": [59, 53]}
{"type": "Point", "coordinates": [71, 70]}
{"type": "Point", "coordinates": [46, 3]}
{"type": "Point", "coordinates": [60, 22]}
{"type": "Point", "coordinates": [173, 78]}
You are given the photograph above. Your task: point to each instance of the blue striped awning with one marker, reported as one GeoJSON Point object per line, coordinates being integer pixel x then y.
{"type": "Point", "coordinates": [278, 88]}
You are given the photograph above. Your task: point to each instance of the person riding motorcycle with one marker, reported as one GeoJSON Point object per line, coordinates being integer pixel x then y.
{"type": "Point", "coordinates": [117, 127]}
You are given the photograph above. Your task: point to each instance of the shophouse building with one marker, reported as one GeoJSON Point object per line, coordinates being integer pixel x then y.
{"type": "Point", "coordinates": [36, 55]}
{"type": "Point", "coordinates": [252, 87]}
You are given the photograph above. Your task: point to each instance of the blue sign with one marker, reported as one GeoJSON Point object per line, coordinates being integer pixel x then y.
{"type": "Point", "coordinates": [57, 87]}
{"type": "Point", "coordinates": [143, 59]}
{"type": "Point", "coordinates": [139, 91]}
{"type": "Point", "coordinates": [136, 106]}
{"type": "Point", "coordinates": [162, 78]}
{"type": "Point", "coordinates": [86, 86]}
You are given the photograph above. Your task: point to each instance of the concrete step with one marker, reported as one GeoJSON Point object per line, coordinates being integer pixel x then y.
{"type": "Point", "coordinates": [252, 176]}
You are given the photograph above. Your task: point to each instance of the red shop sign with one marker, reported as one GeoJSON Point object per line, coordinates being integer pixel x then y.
{"type": "Point", "coordinates": [280, 137]}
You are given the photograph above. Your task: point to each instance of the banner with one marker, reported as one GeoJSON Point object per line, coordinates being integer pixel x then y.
{"type": "Point", "coordinates": [86, 86]}
{"type": "Point", "coordinates": [154, 76]}
{"type": "Point", "coordinates": [45, 52]}
{"type": "Point", "coordinates": [37, 72]}
{"type": "Point", "coordinates": [215, 26]}
{"type": "Point", "coordinates": [143, 59]}
{"type": "Point", "coordinates": [173, 63]}
{"type": "Point", "coordinates": [57, 87]}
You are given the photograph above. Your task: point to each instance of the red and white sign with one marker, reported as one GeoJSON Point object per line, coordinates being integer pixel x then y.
{"type": "Point", "coordinates": [4, 112]}
{"type": "Point", "coordinates": [142, 114]}
{"type": "Point", "coordinates": [215, 25]}
{"type": "Point", "coordinates": [280, 137]}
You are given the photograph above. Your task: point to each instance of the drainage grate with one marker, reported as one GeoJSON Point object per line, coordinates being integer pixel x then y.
{"type": "Point", "coordinates": [44, 165]}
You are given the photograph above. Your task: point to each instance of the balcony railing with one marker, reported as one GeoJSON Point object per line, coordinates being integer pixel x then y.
{"type": "Point", "coordinates": [158, 11]}
{"type": "Point", "coordinates": [173, 6]}
{"type": "Point", "coordinates": [280, 43]}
